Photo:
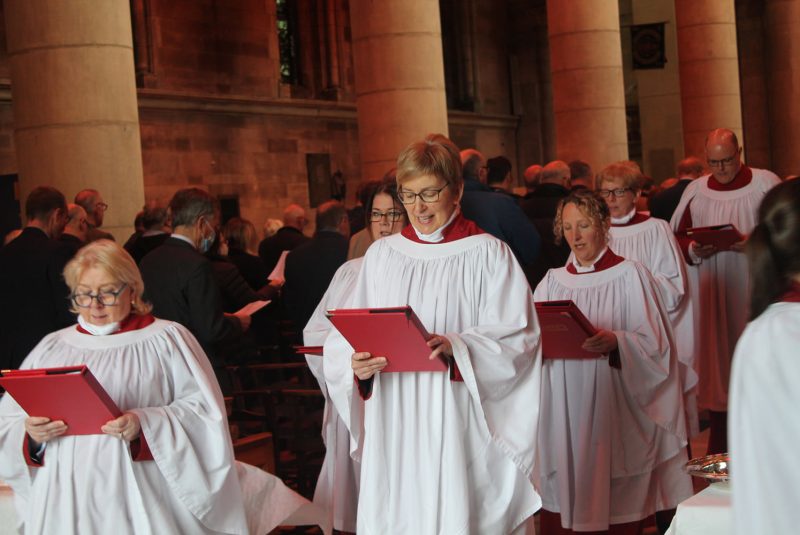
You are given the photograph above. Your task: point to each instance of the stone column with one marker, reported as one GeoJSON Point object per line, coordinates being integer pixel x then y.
{"type": "Point", "coordinates": [399, 75]}
{"type": "Point", "coordinates": [76, 121]}
{"type": "Point", "coordinates": [783, 38]}
{"type": "Point", "coordinates": [588, 92]}
{"type": "Point", "coordinates": [709, 70]}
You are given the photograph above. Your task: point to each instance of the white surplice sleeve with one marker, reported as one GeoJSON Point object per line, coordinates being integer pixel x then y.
{"type": "Point", "coordinates": [190, 441]}
{"type": "Point", "coordinates": [668, 268]}
{"type": "Point", "coordinates": [500, 358]}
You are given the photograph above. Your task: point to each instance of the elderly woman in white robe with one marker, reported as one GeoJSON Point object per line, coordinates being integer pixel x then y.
{"type": "Point", "coordinates": [166, 464]}
{"type": "Point", "coordinates": [440, 452]}
{"type": "Point", "coordinates": [613, 438]}
{"type": "Point", "coordinates": [637, 236]}
{"type": "Point", "coordinates": [337, 486]}
{"type": "Point", "coordinates": [763, 426]}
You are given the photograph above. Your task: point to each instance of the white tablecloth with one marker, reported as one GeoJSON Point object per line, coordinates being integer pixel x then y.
{"type": "Point", "coordinates": [706, 513]}
{"type": "Point", "coordinates": [8, 516]}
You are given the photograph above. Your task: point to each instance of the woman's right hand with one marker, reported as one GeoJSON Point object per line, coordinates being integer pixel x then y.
{"type": "Point", "coordinates": [365, 365]}
{"type": "Point", "coordinates": [41, 429]}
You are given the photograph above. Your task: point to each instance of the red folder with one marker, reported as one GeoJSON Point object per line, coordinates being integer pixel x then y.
{"type": "Point", "coordinates": [394, 333]}
{"type": "Point", "coordinates": [564, 330]}
{"type": "Point", "coordinates": [71, 394]}
{"type": "Point", "coordinates": [721, 236]}
{"type": "Point", "coordinates": [308, 350]}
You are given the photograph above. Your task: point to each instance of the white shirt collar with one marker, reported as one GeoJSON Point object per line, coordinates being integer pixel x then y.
{"type": "Point", "coordinates": [184, 238]}
{"type": "Point", "coordinates": [624, 219]}
{"type": "Point", "coordinates": [437, 235]}
{"type": "Point", "coordinates": [588, 269]}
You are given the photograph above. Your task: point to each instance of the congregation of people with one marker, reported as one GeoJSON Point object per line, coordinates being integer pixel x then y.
{"type": "Point", "coordinates": [503, 439]}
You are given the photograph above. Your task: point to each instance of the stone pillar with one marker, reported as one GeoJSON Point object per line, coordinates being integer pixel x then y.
{"type": "Point", "coordinates": [709, 70]}
{"type": "Point", "coordinates": [399, 75]}
{"type": "Point", "coordinates": [76, 121]}
{"type": "Point", "coordinates": [783, 38]}
{"type": "Point", "coordinates": [588, 92]}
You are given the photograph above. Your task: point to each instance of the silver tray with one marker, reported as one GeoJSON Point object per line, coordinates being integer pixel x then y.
{"type": "Point", "coordinates": [712, 467]}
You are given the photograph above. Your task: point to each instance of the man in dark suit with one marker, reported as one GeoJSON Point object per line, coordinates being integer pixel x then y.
{"type": "Point", "coordinates": [95, 206]}
{"type": "Point", "coordinates": [74, 235]}
{"type": "Point", "coordinates": [580, 175]}
{"type": "Point", "coordinates": [33, 295]}
{"type": "Point", "coordinates": [540, 207]}
{"type": "Point", "coordinates": [311, 266]}
{"type": "Point", "coordinates": [289, 236]}
{"type": "Point", "coordinates": [664, 203]}
{"type": "Point", "coordinates": [154, 223]}
{"type": "Point", "coordinates": [179, 280]}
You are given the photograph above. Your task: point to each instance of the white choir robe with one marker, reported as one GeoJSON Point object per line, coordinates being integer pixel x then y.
{"type": "Point", "coordinates": [90, 484]}
{"type": "Point", "coordinates": [763, 426]}
{"type": "Point", "coordinates": [720, 285]}
{"type": "Point", "coordinates": [652, 244]}
{"type": "Point", "coordinates": [613, 446]}
{"type": "Point", "coordinates": [337, 486]}
{"type": "Point", "coordinates": [438, 456]}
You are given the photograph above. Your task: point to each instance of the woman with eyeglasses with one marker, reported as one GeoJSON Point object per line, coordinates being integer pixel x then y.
{"type": "Point", "coordinates": [166, 464]}
{"type": "Point", "coordinates": [637, 236]}
{"type": "Point", "coordinates": [337, 486]}
{"type": "Point", "coordinates": [443, 452]}
{"type": "Point", "coordinates": [613, 435]}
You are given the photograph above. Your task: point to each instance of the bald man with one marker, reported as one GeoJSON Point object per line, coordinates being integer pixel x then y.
{"type": "Point", "coordinates": [289, 236]}
{"type": "Point", "coordinates": [718, 278]}
{"type": "Point", "coordinates": [74, 235]}
{"type": "Point", "coordinates": [95, 206]}
{"type": "Point", "coordinates": [531, 177]}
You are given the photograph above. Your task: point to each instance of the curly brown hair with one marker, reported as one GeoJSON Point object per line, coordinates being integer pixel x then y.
{"type": "Point", "coordinates": [591, 205]}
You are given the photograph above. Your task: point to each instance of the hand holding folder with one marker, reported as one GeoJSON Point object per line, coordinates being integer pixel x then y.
{"type": "Point", "coordinates": [393, 333]}
{"type": "Point", "coordinates": [720, 236]}
{"type": "Point", "coordinates": [71, 394]}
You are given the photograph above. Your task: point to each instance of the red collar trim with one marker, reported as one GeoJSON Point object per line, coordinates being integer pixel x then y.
{"type": "Point", "coordinates": [637, 218]}
{"type": "Point", "coordinates": [608, 260]}
{"type": "Point", "coordinates": [134, 322]}
{"type": "Point", "coordinates": [459, 228]}
{"type": "Point", "coordinates": [742, 178]}
{"type": "Point", "coordinates": [792, 295]}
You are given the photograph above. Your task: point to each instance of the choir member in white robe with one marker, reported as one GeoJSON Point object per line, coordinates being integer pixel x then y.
{"type": "Point", "coordinates": [613, 438]}
{"type": "Point", "coordinates": [444, 453]}
{"type": "Point", "coordinates": [763, 425]}
{"type": "Point", "coordinates": [337, 486]}
{"type": "Point", "coordinates": [166, 465]}
{"type": "Point", "coordinates": [637, 236]}
{"type": "Point", "coordinates": [720, 281]}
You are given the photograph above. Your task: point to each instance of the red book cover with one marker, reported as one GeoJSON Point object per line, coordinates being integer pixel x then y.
{"type": "Point", "coordinates": [564, 330]}
{"type": "Point", "coordinates": [71, 394]}
{"type": "Point", "coordinates": [721, 236]}
{"type": "Point", "coordinates": [308, 350]}
{"type": "Point", "coordinates": [394, 333]}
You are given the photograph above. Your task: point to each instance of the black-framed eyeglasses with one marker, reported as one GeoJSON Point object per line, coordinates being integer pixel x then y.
{"type": "Point", "coordinates": [106, 298]}
{"type": "Point", "coordinates": [723, 162]}
{"type": "Point", "coordinates": [428, 195]}
{"type": "Point", "coordinates": [390, 215]}
{"type": "Point", "coordinates": [618, 192]}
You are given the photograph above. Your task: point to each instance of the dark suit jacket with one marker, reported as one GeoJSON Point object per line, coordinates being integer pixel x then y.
{"type": "Point", "coordinates": [180, 283]}
{"type": "Point", "coordinates": [70, 245]}
{"type": "Point", "coordinates": [540, 207]}
{"type": "Point", "coordinates": [251, 267]}
{"type": "Point", "coordinates": [33, 295]}
{"type": "Point", "coordinates": [309, 270]}
{"type": "Point", "coordinates": [664, 204]}
{"type": "Point", "coordinates": [95, 233]}
{"type": "Point", "coordinates": [142, 245]}
{"type": "Point", "coordinates": [286, 239]}
{"type": "Point", "coordinates": [234, 289]}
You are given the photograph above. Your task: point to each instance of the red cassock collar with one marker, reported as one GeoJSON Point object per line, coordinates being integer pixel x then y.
{"type": "Point", "coordinates": [742, 178]}
{"type": "Point", "coordinates": [459, 228]}
{"type": "Point", "coordinates": [637, 218]}
{"type": "Point", "coordinates": [793, 294]}
{"type": "Point", "coordinates": [608, 260]}
{"type": "Point", "coordinates": [133, 322]}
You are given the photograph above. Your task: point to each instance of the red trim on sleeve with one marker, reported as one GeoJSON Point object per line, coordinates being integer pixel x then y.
{"type": "Point", "coordinates": [364, 387]}
{"type": "Point", "coordinates": [140, 451]}
{"type": "Point", "coordinates": [26, 452]}
{"type": "Point", "coordinates": [455, 373]}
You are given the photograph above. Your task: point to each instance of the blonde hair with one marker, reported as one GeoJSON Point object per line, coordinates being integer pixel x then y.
{"type": "Point", "coordinates": [591, 205]}
{"type": "Point", "coordinates": [114, 260]}
{"type": "Point", "coordinates": [630, 175]}
{"type": "Point", "coordinates": [435, 155]}
{"type": "Point", "coordinates": [241, 234]}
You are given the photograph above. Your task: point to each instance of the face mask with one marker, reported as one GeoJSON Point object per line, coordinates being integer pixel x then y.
{"type": "Point", "coordinates": [207, 242]}
{"type": "Point", "coordinates": [98, 330]}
